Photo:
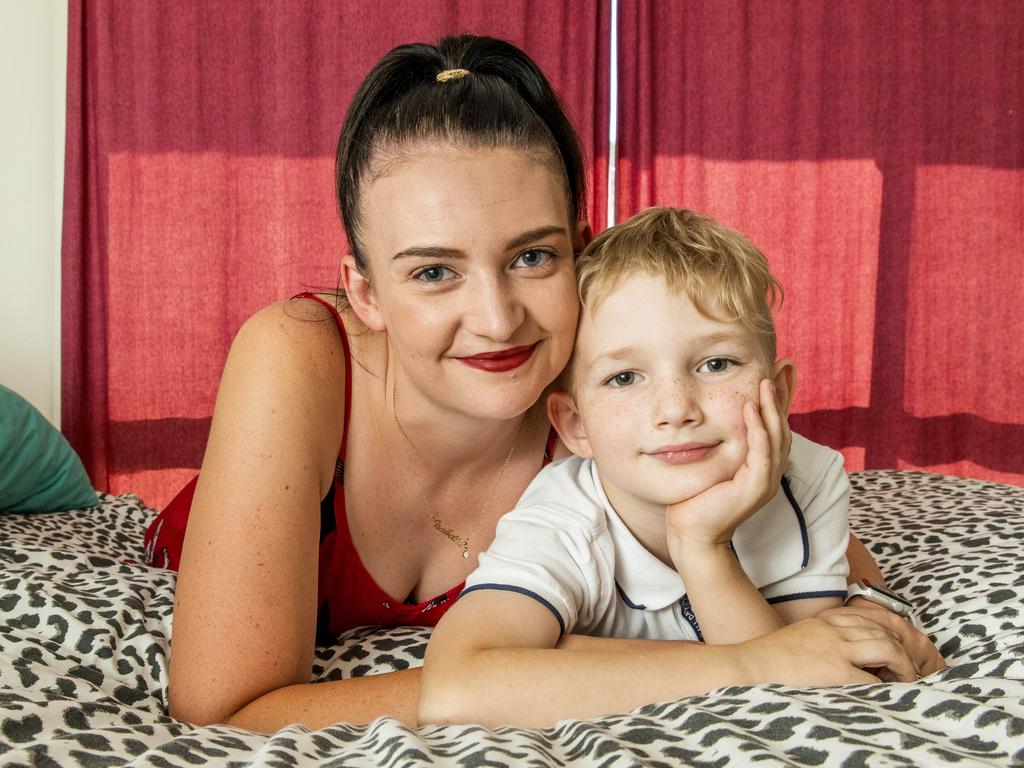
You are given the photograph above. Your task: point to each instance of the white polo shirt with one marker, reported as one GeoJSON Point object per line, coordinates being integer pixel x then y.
{"type": "Point", "coordinates": [565, 546]}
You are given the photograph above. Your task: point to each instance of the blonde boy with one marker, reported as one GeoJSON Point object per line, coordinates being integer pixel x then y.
{"type": "Point", "coordinates": [688, 512]}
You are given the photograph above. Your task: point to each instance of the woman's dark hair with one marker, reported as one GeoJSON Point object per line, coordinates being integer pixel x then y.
{"type": "Point", "coordinates": [504, 101]}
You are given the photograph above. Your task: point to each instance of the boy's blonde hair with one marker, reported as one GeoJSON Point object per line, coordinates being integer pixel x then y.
{"type": "Point", "coordinates": [721, 271]}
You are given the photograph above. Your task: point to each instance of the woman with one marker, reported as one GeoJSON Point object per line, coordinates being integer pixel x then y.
{"type": "Point", "coordinates": [383, 442]}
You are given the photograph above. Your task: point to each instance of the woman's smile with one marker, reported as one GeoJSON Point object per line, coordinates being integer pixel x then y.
{"type": "Point", "coordinates": [501, 361]}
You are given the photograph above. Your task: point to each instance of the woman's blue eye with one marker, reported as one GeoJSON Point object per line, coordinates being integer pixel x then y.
{"type": "Point", "coordinates": [623, 379]}
{"type": "Point", "coordinates": [433, 274]}
{"type": "Point", "coordinates": [716, 365]}
{"type": "Point", "coordinates": [535, 258]}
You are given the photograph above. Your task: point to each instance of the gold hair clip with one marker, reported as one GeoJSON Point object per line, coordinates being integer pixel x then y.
{"type": "Point", "coordinates": [451, 74]}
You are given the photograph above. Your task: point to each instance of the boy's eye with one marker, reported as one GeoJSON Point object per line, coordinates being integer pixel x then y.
{"type": "Point", "coordinates": [534, 258]}
{"type": "Point", "coordinates": [623, 379]}
{"type": "Point", "coordinates": [716, 365]}
{"type": "Point", "coordinates": [432, 274]}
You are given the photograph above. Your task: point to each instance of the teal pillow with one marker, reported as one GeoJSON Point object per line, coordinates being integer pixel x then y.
{"type": "Point", "coordinates": [39, 470]}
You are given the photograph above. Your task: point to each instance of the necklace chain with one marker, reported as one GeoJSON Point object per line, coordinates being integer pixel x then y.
{"type": "Point", "coordinates": [439, 526]}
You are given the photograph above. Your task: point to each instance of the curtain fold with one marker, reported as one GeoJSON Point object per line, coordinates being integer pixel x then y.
{"type": "Point", "coordinates": [875, 152]}
{"type": "Point", "coordinates": [199, 187]}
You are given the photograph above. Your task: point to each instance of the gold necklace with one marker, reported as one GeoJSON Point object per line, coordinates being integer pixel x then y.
{"type": "Point", "coordinates": [439, 526]}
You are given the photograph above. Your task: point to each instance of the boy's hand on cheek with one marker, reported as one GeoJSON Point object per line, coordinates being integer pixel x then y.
{"type": "Point", "coordinates": [709, 519]}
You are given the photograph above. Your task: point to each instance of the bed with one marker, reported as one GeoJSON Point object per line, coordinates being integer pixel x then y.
{"type": "Point", "coordinates": [84, 633]}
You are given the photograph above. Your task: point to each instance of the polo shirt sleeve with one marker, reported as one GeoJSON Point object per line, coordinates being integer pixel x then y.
{"type": "Point", "coordinates": [549, 553]}
{"type": "Point", "coordinates": [819, 490]}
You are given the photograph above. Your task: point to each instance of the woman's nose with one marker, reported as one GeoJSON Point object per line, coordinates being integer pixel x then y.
{"type": "Point", "coordinates": [495, 311]}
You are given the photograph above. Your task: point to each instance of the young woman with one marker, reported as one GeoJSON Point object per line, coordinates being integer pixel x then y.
{"type": "Point", "coordinates": [360, 456]}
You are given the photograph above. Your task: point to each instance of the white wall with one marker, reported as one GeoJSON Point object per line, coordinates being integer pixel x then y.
{"type": "Point", "coordinates": [33, 63]}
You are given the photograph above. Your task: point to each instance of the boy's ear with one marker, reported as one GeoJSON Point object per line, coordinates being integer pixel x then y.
{"type": "Point", "coordinates": [360, 294]}
{"type": "Point", "coordinates": [565, 418]}
{"type": "Point", "coordinates": [784, 379]}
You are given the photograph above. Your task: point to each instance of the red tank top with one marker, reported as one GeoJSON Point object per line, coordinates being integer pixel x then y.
{"type": "Point", "coordinates": [347, 594]}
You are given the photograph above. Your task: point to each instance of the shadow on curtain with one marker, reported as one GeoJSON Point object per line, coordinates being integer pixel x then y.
{"type": "Point", "coordinates": [875, 152]}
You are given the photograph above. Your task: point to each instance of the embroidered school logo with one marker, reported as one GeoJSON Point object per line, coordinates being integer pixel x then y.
{"type": "Point", "coordinates": [690, 616]}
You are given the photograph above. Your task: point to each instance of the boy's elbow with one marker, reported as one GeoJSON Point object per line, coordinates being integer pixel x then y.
{"type": "Point", "coordinates": [436, 710]}
{"type": "Point", "coordinates": [442, 701]}
{"type": "Point", "coordinates": [445, 699]}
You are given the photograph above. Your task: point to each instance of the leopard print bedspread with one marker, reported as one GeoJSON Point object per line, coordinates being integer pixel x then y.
{"type": "Point", "coordinates": [84, 644]}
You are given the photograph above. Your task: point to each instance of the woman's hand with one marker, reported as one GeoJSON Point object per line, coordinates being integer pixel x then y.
{"type": "Point", "coordinates": [836, 647]}
{"type": "Point", "coordinates": [922, 651]}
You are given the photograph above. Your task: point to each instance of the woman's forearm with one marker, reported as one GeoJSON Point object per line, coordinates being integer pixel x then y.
{"type": "Point", "coordinates": [862, 564]}
{"type": "Point", "coordinates": [357, 700]}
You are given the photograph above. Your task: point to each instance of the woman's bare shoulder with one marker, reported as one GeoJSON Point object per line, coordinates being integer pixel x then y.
{"type": "Point", "coordinates": [300, 326]}
{"type": "Point", "coordinates": [285, 375]}
{"type": "Point", "coordinates": [291, 326]}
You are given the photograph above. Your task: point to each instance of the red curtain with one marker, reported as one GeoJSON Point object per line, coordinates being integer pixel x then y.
{"type": "Point", "coordinates": [875, 151]}
{"type": "Point", "coordinates": [199, 187]}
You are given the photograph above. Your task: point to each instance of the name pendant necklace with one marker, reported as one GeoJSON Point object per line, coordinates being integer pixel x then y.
{"type": "Point", "coordinates": [439, 526]}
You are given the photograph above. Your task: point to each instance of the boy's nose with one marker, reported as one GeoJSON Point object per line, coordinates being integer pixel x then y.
{"type": "Point", "coordinates": [678, 403]}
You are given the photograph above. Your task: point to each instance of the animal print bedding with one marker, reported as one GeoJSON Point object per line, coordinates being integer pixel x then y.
{"type": "Point", "coordinates": [84, 640]}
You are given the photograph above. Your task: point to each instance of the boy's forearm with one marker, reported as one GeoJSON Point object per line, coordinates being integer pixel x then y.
{"type": "Point", "coordinates": [536, 687]}
{"type": "Point", "coordinates": [728, 607]}
{"type": "Point", "coordinates": [612, 644]}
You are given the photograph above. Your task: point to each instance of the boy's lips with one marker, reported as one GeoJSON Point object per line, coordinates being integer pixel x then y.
{"type": "Point", "coordinates": [685, 453]}
{"type": "Point", "coordinates": [501, 360]}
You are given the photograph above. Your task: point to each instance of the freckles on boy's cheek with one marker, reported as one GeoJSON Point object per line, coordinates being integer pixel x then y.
{"type": "Point", "coordinates": [737, 399]}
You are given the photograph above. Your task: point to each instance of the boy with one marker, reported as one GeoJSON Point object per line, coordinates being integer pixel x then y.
{"type": "Point", "coordinates": [678, 518]}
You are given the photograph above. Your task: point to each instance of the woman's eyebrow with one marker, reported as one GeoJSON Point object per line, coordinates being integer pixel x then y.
{"type": "Point", "coordinates": [430, 252]}
{"type": "Point", "coordinates": [440, 252]}
{"type": "Point", "coordinates": [535, 234]}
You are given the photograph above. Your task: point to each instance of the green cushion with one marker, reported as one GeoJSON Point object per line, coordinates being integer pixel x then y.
{"type": "Point", "coordinates": [39, 470]}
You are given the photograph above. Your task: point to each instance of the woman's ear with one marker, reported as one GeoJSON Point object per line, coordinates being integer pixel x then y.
{"type": "Point", "coordinates": [565, 418]}
{"type": "Point", "coordinates": [360, 294]}
{"type": "Point", "coordinates": [784, 379]}
{"type": "Point", "coordinates": [582, 237]}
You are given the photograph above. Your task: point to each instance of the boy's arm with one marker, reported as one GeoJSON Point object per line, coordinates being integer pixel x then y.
{"type": "Point", "coordinates": [728, 607]}
{"type": "Point", "coordinates": [491, 660]}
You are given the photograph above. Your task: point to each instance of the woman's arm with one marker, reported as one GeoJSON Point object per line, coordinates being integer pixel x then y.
{"type": "Point", "coordinates": [862, 564]}
{"type": "Point", "coordinates": [356, 700]}
{"type": "Point", "coordinates": [491, 660]}
{"type": "Point", "coordinates": [245, 604]}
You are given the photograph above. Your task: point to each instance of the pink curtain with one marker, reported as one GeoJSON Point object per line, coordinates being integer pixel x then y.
{"type": "Point", "coordinates": [199, 187]}
{"type": "Point", "coordinates": [875, 151]}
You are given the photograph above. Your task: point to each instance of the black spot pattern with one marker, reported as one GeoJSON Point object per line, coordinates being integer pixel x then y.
{"type": "Point", "coordinates": [84, 639]}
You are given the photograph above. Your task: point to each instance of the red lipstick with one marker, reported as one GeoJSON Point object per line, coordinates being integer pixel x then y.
{"type": "Point", "coordinates": [501, 361]}
{"type": "Point", "coordinates": [686, 453]}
